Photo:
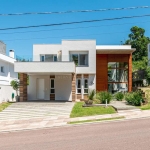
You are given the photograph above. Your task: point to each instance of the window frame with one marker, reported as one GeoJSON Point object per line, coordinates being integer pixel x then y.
{"type": "Point", "coordinates": [84, 85]}
{"type": "Point", "coordinates": [52, 88]}
{"type": "Point", "coordinates": [77, 86]}
{"type": "Point", "coordinates": [78, 54]}
{"type": "Point", "coordinates": [43, 55]}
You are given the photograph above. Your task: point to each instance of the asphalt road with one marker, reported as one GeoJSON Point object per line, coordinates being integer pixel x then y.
{"type": "Point", "coordinates": [123, 135]}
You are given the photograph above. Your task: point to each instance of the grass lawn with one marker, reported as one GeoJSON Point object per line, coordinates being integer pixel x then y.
{"type": "Point", "coordinates": [145, 107]}
{"type": "Point", "coordinates": [79, 111]}
{"type": "Point", "coordinates": [4, 105]}
{"type": "Point", "coordinates": [96, 120]}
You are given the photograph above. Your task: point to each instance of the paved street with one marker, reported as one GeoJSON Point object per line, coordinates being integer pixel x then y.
{"type": "Point", "coordinates": [124, 135]}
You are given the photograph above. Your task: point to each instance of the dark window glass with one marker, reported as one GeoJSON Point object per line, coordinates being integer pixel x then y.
{"type": "Point", "coordinates": [55, 58]}
{"type": "Point", "coordinates": [79, 84]}
{"type": "Point", "coordinates": [52, 83]}
{"type": "Point", "coordinates": [42, 58]}
{"type": "Point", "coordinates": [52, 91]}
{"type": "Point", "coordinates": [83, 59]}
{"type": "Point", "coordinates": [85, 83]}
{"type": "Point", "coordinates": [79, 90]}
{"type": "Point", "coordinates": [85, 90]}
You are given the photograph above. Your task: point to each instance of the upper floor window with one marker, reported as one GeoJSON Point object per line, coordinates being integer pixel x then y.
{"type": "Point", "coordinates": [79, 59]}
{"type": "Point", "coordinates": [49, 58]}
{"type": "Point", "coordinates": [2, 69]}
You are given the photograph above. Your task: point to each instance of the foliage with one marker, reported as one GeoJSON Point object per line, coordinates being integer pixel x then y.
{"type": "Point", "coordinates": [138, 40]}
{"type": "Point", "coordinates": [134, 98]}
{"type": "Point", "coordinates": [119, 96]}
{"type": "Point", "coordinates": [91, 94]}
{"type": "Point", "coordinates": [96, 120]}
{"type": "Point", "coordinates": [145, 107]}
{"type": "Point", "coordinates": [15, 85]}
{"type": "Point", "coordinates": [4, 105]}
{"type": "Point", "coordinates": [102, 96]}
{"type": "Point", "coordinates": [80, 111]}
{"type": "Point", "coordinates": [147, 93]}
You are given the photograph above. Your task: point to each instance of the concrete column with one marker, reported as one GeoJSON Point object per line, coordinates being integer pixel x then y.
{"type": "Point", "coordinates": [23, 87]}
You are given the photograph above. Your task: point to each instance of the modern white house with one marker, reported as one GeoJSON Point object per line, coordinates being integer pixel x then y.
{"type": "Point", "coordinates": [7, 73]}
{"type": "Point", "coordinates": [67, 71]}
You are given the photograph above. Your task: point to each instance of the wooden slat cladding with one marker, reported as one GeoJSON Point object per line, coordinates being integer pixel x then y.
{"type": "Point", "coordinates": [78, 76]}
{"type": "Point", "coordinates": [102, 65]}
{"type": "Point", "coordinates": [85, 76]}
{"type": "Point", "coordinates": [118, 57]}
{"type": "Point", "coordinates": [23, 87]}
{"type": "Point", "coordinates": [73, 87]}
{"type": "Point", "coordinates": [52, 96]}
{"type": "Point", "coordinates": [79, 96]}
{"type": "Point", "coordinates": [130, 74]}
{"type": "Point", "coordinates": [101, 72]}
{"type": "Point", "coordinates": [52, 76]}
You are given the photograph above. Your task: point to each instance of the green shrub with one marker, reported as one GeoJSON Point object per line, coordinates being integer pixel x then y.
{"type": "Point", "coordinates": [91, 94]}
{"type": "Point", "coordinates": [134, 98]}
{"type": "Point", "coordinates": [102, 96]}
{"type": "Point", "coordinates": [119, 96]}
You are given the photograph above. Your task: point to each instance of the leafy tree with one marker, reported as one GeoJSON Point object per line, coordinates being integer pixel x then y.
{"type": "Point", "coordinates": [15, 85]}
{"type": "Point", "coordinates": [138, 40]}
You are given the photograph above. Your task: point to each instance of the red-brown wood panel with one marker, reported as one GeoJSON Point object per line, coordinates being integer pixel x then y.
{"type": "Point", "coordinates": [118, 57]}
{"type": "Point", "coordinates": [101, 72]}
{"type": "Point", "coordinates": [130, 73]}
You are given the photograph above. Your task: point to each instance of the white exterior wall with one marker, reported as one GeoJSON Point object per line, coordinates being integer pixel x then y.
{"type": "Point", "coordinates": [81, 46]}
{"type": "Point", "coordinates": [39, 49]}
{"type": "Point", "coordinates": [6, 93]}
{"type": "Point", "coordinates": [6, 77]}
{"type": "Point", "coordinates": [62, 87]}
{"type": "Point", "coordinates": [9, 74]}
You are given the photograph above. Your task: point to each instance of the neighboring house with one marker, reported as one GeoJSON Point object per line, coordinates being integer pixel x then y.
{"type": "Point", "coordinates": [68, 71]}
{"type": "Point", "coordinates": [7, 73]}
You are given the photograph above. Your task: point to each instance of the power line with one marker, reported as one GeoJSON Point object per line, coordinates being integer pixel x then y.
{"type": "Point", "coordinates": [75, 28]}
{"type": "Point", "coordinates": [68, 36]}
{"type": "Point", "coordinates": [76, 22]}
{"type": "Point", "coordinates": [75, 11]}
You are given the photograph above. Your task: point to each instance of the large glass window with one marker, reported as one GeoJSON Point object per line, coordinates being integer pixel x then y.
{"type": "Point", "coordinates": [49, 58]}
{"type": "Point", "coordinates": [79, 59]}
{"type": "Point", "coordinates": [117, 87]}
{"type": "Point", "coordinates": [117, 76]}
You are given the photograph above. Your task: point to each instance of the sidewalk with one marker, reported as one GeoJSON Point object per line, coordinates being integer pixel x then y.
{"type": "Point", "coordinates": [39, 123]}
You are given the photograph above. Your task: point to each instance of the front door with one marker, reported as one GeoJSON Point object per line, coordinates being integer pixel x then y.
{"type": "Point", "coordinates": [40, 89]}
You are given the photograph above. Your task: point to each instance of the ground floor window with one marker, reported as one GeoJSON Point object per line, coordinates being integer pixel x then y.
{"type": "Point", "coordinates": [78, 86]}
{"type": "Point", "coordinates": [86, 86]}
{"type": "Point", "coordinates": [52, 86]}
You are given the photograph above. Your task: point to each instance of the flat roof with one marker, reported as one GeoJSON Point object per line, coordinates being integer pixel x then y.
{"type": "Point", "coordinates": [114, 49]}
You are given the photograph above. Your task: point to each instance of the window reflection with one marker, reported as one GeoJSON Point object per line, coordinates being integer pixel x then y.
{"type": "Point", "coordinates": [117, 72]}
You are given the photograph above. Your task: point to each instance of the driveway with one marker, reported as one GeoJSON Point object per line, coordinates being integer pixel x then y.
{"type": "Point", "coordinates": [38, 113]}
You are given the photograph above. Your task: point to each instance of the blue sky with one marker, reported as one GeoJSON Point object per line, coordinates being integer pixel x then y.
{"type": "Point", "coordinates": [106, 32]}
